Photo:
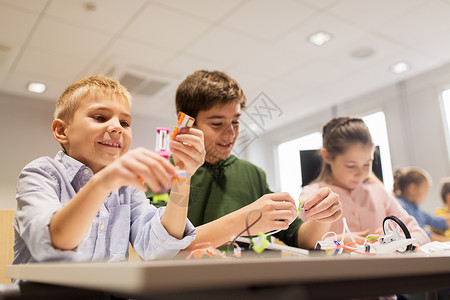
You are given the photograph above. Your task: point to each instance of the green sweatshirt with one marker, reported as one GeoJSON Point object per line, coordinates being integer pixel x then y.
{"type": "Point", "coordinates": [217, 190]}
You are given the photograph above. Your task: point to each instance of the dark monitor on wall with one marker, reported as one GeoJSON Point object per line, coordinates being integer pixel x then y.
{"type": "Point", "coordinates": [311, 164]}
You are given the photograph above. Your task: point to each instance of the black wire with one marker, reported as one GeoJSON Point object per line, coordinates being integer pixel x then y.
{"type": "Point", "coordinates": [256, 221]}
{"type": "Point", "coordinates": [247, 226]}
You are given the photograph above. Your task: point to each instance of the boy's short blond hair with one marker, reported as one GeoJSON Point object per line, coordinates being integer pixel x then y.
{"type": "Point", "coordinates": [92, 86]}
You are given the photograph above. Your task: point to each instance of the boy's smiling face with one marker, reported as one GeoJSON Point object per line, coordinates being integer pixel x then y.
{"type": "Point", "coordinates": [220, 126]}
{"type": "Point", "coordinates": [99, 132]}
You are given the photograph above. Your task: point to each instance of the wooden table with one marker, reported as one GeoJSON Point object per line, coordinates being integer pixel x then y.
{"type": "Point", "coordinates": [310, 277]}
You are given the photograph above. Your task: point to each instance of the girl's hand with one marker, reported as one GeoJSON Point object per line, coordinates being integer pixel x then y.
{"type": "Point", "coordinates": [379, 231]}
{"type": "Point", "coordinates": [188, 150]}
{"type": "Point", "coordinates": [359, 237]}
{"type": "Point", "coordinates": [323, 207]}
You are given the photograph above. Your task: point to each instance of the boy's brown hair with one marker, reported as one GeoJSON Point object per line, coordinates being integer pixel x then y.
{"type": "Point", "coordinates": [203, 89]}
{"type": "Point", "coordinates": [445, 188]}
{"type": "Point", "coordinates": [95, 85]}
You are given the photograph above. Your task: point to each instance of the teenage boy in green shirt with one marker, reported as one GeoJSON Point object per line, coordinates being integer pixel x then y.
{"type": "Point", "coordinates": [225, 189]}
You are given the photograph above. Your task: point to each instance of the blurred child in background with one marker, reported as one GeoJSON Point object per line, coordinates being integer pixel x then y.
{"type": "Point", "coordinates": [444, 211]}
{"type": "Point", "coordinates": [411, 187]}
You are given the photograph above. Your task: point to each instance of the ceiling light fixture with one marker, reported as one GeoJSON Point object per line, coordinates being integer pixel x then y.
{"type": "Point", "coordinates": [319, 38]}
{"type": "Point", "coordinates": [36, 87]}
{"type": "Point", "coordinates": [400, 67]}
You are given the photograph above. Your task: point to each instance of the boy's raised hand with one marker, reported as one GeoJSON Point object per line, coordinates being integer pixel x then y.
{"type": "Point", "coordinates": [136, 167]}
{"type": "Point", "coordinates": [188, 150]}
{"type": "Point", "coordinates": [324, 206]}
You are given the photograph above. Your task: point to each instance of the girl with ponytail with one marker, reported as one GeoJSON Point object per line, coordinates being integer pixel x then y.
{"type": "Point", "coordinates": [347, 153]}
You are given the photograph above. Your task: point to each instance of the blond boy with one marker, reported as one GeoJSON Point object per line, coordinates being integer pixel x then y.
{"type": "Point", "coordinates": [88, 202]}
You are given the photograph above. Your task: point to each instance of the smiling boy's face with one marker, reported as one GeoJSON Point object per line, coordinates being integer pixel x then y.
{"type": "Point", "coordinates": [220, 126]}
{"type": "Point", "coordinates": [99, 132]}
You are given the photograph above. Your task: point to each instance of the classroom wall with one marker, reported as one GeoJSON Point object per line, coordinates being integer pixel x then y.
{"type": "Point", "coordinates": [414, 121]}
{"type": "Point", "coordinates": [26, 135]}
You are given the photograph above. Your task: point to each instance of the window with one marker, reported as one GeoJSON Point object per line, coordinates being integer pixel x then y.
{"type": "Point", "coordinates": [446, 116]}
{"type": "Point", "coordinates": [289, 161]}
{"type": "Point", "coordinates": [377, 126]}
{"type": "Point", "coordinates": [289, 157]}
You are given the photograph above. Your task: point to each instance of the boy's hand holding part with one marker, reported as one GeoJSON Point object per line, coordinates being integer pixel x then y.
{"type": "Point", "coordinates": [137, 164]}
{"type": "Point", "coordinates": [278, 210]}
{"type": "Point", "coordinates": [188, 150]}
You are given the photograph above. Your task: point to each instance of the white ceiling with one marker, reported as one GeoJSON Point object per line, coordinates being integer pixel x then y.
{"type": "Point", "coordinates": [261, 43]}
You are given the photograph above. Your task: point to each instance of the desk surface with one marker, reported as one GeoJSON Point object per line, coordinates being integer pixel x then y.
{"type": "Point", "coordinates": [158, 277]}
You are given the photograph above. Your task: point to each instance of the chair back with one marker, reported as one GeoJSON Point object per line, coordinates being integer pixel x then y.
{"type": "Point", "coordinates": [6, 242]}
{"type": "Point", "coordinates": [132, 255]}
{"type": "Point", "coordinates": [311, 164]}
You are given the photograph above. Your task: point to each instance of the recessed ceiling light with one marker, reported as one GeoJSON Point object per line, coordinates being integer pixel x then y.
{"type": "Point", "coordinates": [36, 87]}
{"type": "Point", "coordinates": [399, 67]}
{"type": "Point", "coordinates": [319, 38]}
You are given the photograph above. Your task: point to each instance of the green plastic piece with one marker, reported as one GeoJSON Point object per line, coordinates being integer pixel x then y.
{"type": "Point", "coordinates": [260, 243]}
{"type": "Point", "coordinates": [301, 207]}
{"type": "Point", "coordinates": [161, 198]}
